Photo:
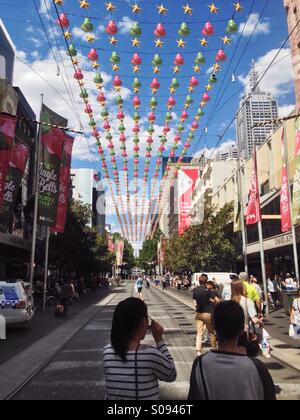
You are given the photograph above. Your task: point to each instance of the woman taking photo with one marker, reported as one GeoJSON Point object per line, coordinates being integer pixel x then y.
{"type": "Point", "coordinates": [132, 371]}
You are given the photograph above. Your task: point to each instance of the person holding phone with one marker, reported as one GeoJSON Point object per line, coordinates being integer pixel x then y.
{"type": "Point", "coordinates": [132, 370]}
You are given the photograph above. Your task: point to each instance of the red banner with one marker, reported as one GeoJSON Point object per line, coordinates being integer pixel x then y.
{"type": "Point", "coordinates": [285, 209]}
{"type": "Point", "coordinates": [7, 134]}
{"type": "Point", "coordinates": [253, 209]}
{"type": "Point", "coordinates": [64, 186]}
{"type": "Point", "coordinates": [186, 185]}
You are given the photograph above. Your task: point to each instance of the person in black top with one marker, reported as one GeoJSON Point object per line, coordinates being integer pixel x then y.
{"type": "Point", "coordinates": [204, 300]}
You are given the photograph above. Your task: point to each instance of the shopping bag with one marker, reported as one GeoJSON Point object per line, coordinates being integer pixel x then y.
{"type": "Point", "coordinates": [292, 333]}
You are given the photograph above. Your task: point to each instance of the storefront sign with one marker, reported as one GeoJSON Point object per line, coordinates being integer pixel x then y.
{"type": "Point", "coordinates": [272, 243]}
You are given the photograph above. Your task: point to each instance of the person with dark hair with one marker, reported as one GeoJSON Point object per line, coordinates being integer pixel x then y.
{"type": "Point", "coordinates": [227, 374]}
{"type": "Point", "coordinates": [132, 371]}
{"type": "Point", "coordinates": [204, 303]}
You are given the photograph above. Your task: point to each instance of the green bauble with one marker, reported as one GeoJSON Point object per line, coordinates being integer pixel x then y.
{"type": "Point", "coordinates": [84, 94]}
{"type": "Point", "coordinates": [200, 112]}
{"type": "Point", "coordinates": [184, 30]}
{"type": "Point", "coordinates": [98, 78]}
{"type": "Point", "coordinates": [163, 140]}
{"type": "Point", "coordinates": [123, 147]}
{"type": "Point", "coordinates": [104, 113]}
{"type": "Point", "coordinates": [153, 103]}
{"type": "Point", "coordinates": [149, 148]}
{"type": "Point", "coordinates": [136, 83]}
{"type": "Point", "coordinates": [114, 58]}
{"type": "Point", "coordinates": [92, 123]}
{"type": "Point", "coordinates": [72, 52]}
{"type": "Point", "coordinates": [87, 25]}
{"type": "Point", "coordinates": [189, 100]}
{"type": "Point", "coordinates": [119, 100]}
{"type": "Point", "coordinates": [147, 161]}
{"type": "Point", "coordinates": [108, 136]}
{"type": "Point", "coordinates": [180, 128]}
{"type": "Point", "coordinates": [232, 27]}
{"type": "Point", "coordinates": [159, 154]}
{"type": "Point", "coordinates": [111, 153]}
{"type": "Point", "coordinates": [157, 60]}
{"type": "Point", "coordinates": [191, 136]}
{"type": "Point", "coordinates": [200, 59]}
{"type": "Point", "coordinates": [151, 129]}
{"type": "Point", "coordinates": [169, 116]}
{"type": "Point", "coordinates": [136, 139]}
{"type": "Point", "coordinates": [136, 116]}
{"type": "Point", "coordinates": [213, 79]}
{"type": "Point", "coordinates": [121, 127]}
{"type": "Point", "coordinates": [136, 155]}
{"type": "Point", "coordinates": [136, 30]}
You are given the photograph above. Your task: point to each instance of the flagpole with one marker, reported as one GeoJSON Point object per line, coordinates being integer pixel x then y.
{"type": "Point", "coordinates": [46, 268]}
{"type": "Point", "coordinates": [36, 198]}
{"type": "Point", "coordinates": [242, 217]}
{"type": "Point", "coordinates": [286, 159]}
{"type": "Point", "coordinates": [263, 265]}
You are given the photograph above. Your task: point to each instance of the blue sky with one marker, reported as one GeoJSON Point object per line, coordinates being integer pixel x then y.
{"type": "Point", "coordinates": [23, 24]}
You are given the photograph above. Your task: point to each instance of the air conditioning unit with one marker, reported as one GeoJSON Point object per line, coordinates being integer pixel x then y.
{"type": "Point", "coordinates": [8, 98]}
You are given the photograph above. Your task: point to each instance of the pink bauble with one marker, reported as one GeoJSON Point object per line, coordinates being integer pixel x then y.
{"type": "Point", "coordinates": [205, 97]}
{"type": "Point", "coordinates": [149, 140]}
{"type": "Point", "coordinates": [171, 101]}
{"type": "Point", "coordinates": [136, 60]}
{"type": "Point", "coordinates": [111, 28]}
{"type": "Point", "coordinates": [221, 56]}
{"type": "Point", "coordinates": [194, 82]}
{"type": "Point", "coordinates": [63, 20]}
{"type": "Point", "coordinates": [101, 98]}
{"type": "Point", "coordinates": [195, 125]}
{"type": "Point", "coordinates": [92, 55]}
{"type": "Point", "coordinates": [122, 138]}
{"type": "Point", "coordinates": [177, 138]}
{"type": "Point", "coordinates": [117, 81]}
{"type": "Point", "coordinates": [208, 29]}
{"type": "Point", "coordinates": [155, 84]}
{"type": "Point", "coordinates": [78, 75]}
{"type": "Point", "coordinates": [160, 31]}
{"type": "Point", "coordinates": [106, 125]}
{"type": "Point", "coordinates": [184, 115]}
{"type": "Point", "coordinates": [120, 115]}
{"type": "Point", "coordinates": [136, 129]}
{"type": "Point", "coordinates": [179, 60]}
{"type": "Point", "coordinates": [151, 117]}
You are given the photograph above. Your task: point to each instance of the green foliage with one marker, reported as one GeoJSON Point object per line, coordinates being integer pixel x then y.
{"type": "Point", "coordinates": [148, 254]}
{"type": "Point", "coordinates": [205, 247]}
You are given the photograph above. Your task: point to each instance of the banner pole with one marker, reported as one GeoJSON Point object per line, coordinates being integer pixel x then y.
{"type": "Point", "coordinates": [36, 199]}
{"type": "Point", "coordinates": [286, 159]}
{"type": "Point", "coordinates": [46, 268]}
{"type": "Point", "coordinates": [242, 216]}
{"type": "Point", "coordinates": [263, 265]}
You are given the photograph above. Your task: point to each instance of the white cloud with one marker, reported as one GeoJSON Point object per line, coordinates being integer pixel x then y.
{"type": "Point", "coordinates": [285, 110]}
{"type": "Point", "coordinates": [79, 33]}
{"type": "Point", "coordinates": [45, 5]}
{"type": "Point", "coordinates": [212, 153]}
{"type": "Point", "coordinates": [84, 150]}
{"type": "Point", "coordinates": [279, 79]}
{"type": "Point", "coordinates": [248, 27]}
{"type": "Point", "coordinates": [125, 25]}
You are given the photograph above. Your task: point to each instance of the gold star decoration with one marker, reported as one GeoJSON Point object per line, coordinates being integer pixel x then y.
{"type": "Point", "coordinates": [59, 2]}
{"type": "Point", "coordinates": [96, 65]}
{"type": "Point", "coordinates": [197, 118]}
{"type": "Point", "coordinates": [113, 40]}
{"type": "Point", "coordinates": [238, 7]}
{"type": "Point", "coordinates": [81, 83]}
{"type": "Point", "coordinates": [98, 86]}
{"type": "Point", "coordinates": [75, 61]}
{"type": "Point", "coordinates": [158, 43]}
{"type": "Point", "coordinates": [226, 40]}
{"type": "Point", "coordinates": [136, 42]}
{"type": "Point", "coordinates": [216, 67]}
{"type": "Point", "coordinates": [90, 38]}
{"type": "Point", "coordinates": [181, 43]}
{"type": "Point", "coordinates": [115, 67]}
{"type": "Point", "coordinates": [136, 8]}
{"type": "Point", "coordinates": [186, 106]}
{"type": "Point", "coordinates": [209, 87]}
{"type": "Point", "coordinates": [176, 69]}
{"type": "Point", "coordinates": [203, 42]}
{"type": "Point", "coordinates": [154, 91]}
{"type": "Point", "coordinates": [191, 89]}
{"type": "Point", "coordinates": [162, 10]}
{"type": "Point", "coordinates": [117, 88]}
{"type": "Point", "coordinates": [172, 89]}
{"type": "Point", "coordinates": [110, 7]}
{"type": "Point", "coordinates": [197, 69]}
{"type": "Point", "coordinates": [202, 104]}
{"type": "Point", "coordinates": [68, 35]}
{"type": "Point", "coordinates": [187, 10]}
{"type": "Point", "coordinates": [136, 69]}
{"type": "Point", "coordinates": [156, 70]}
{"type": "Point", "coordinates": [213, 8]}
{"type": "Point", "coordinates": [136, 90]}
{"type": "Point", "coordinates": [84, 4]}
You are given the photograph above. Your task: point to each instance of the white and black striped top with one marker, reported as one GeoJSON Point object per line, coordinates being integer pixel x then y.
{"type": "Point", "coordinates": [153, 364]}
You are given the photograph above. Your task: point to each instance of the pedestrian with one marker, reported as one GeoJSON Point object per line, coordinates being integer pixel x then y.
{"type": "Point", "coordinates": [251, 292]}
{"type": "Point", "coordinates": [139, 287]}
{"type": "Point", "coordinates": [203, 301]}
{"type": "Point", "coordinates": [289, 282]}
{"type": "Point", "coordinates": [273, 290]}
{"type": "Point", "coordinates": [132, 371]}
{"type": "Point", "coordinates": [226, 373]}
{"type": "Point", "coordinates": [164, 283]}
{"type": "Point", "coordinates": [259, 290]}
{"type": "Point", "coordinates": [295, 317]}
{"type": "Point", "coordinates": [148, 282]}
{"type": "Point", "coordinates": [66, 295]}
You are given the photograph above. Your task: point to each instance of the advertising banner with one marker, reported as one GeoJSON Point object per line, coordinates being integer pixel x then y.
{"type": "Point", "coordinates": [296, 183]}
{"type": "Point", "coordinates": [187, 179]}
{"type": "Point", "coordinates": [253, 209]}
{"type": "Point", "coordinates": [7, 134]}
{"type": "Point", "coordinates": [119, 248]}
{"type": "Point", "coordinates": [285, 210]}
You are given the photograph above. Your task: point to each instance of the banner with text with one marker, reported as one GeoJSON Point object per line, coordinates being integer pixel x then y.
{"type": "Point", "coordinates": [64, 185]}
{"type": "Point", "coordinates": [7, 134]}
{"type": "Point", "coordinates": [296, 183]}
{"type": "Point", "coordinates": [51, 148]}
{"type": "Point", "coordinates": [253, 209]}
{"type": "Point", "coordinates": [187, 179]}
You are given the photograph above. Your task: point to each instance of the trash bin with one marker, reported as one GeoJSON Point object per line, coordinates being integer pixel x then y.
{"type": "Point", "coordinates": [288, 299]}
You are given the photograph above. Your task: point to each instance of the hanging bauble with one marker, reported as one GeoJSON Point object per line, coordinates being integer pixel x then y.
{"type": "Point", "coordinates": [87, 25]}
{"type": "Point", "coordinates": [195, 125]}
{"type": "Point", "coordinates": [157, 60]}
{"type": "Point", "coordinates": [106, 125]}
{"type": "Point", "coordinates": [92, 55]}
{"type": "Point", "coordinates": [72, 52]}
{"type": "Point", "coordinates": [116, 173]}
{"type": "Point", "coordinates": [136, 83]}
{"type": "Point", "coordinates": [136, 30]}
{"type": "Point", "coordinates": [189, 100]}
{"type": "Point", "coordinates": [84, 94]}
{"type": "Point", "coordinates": [136, 139]}
{"type": "Point", "coordinates": [213, 79]}
{"type": "Point", "coordinates": [78, 75]}
{"type": "Point", "coordinates": [187, 145]}
{"type": "Point", "coordinates": [151, 116]}
{"type": "Point", "coordinates": [98, 79]}
{"type": "Point", "coordinates": [191, 136]}
{"type": "Point", "coordinates": [148, 154]}
{"type": "Point", "coordinates": [88, 109]}
{"type": "Point", "coordinates": [92, 123]}
{"type": "Point", "coordinates": [136, 129]}
{"type": "Point", "coordinates": [221, 56]}
{"type": "Point", "coordinates": [110, 146]}
{"type": "Point", "coordinates": [122, 137]}
{"type": "Point", "coordinates": [161, 148]}
{"type": "Point", "coordinates": [136, 154]}
{"type": "Point", "coordinates": [123, 147]}
{"type": "Point", "coordinates": [160, 30]}
{"type": "Point", "coordinates": [120, 115]}
{"type": "Point", "coordinates": [205, 97]}
{"type": "Point", "coordinates": [136, 148]}
{"type": "Point", "coordinates": [100, 150]}
{"type": "Point", "coordinates": [104, 113]}
{"type": "Point", "coordinates": [125, 168]}
{"type": "Point", "coordinates": [114, 58]}
{"type": "Point", "coordinates": [184, 115]}
{"type": "Point", "coordinates": [158, 161]}
{"type": "Point", "coordinates": [208, 29]}
{"type": "Point", "coordinates": [184, 30]}
{"type": "Point", "coordinates": [150, 140]}
{"type": "Point", "coordinates": [155, 84]}
{"type": "Point", "coordinates": [171, 102]}
{"type": "Point", "coordinates": [63, 20]}
{"type": "Point", "coordinates": [111, 153]}
{"type": "Point", "coordinates": [200, 59]}
{"type": "Point", "coordinates": [136, 60]}
{"type": "Point", "coordinates": [108, 136]}
{"type": "Point", "coordinates": [200, 113]}
{"type": "Point", "coordinates": [119, 100]}
{"type": "Point", "coordinates": [151, 129]}
{"type": "Point", "coordinates": [117, 82]}
{"type": "Point", "coordinates": [121, 127]}
{"type": "Point", "coordinates": [175, 83]}
{"type": "Point", "coordinates": [180, 128]}
{"type": "Point", "coordinates": [136, 174]}
{"type": "Point", "coordinates": [232, 27]}
{"type": "Point", "coordinates": [177, 138]}
{"type": "Point", "coordinates": [166, 130]}
{"type": "Point", "coordinates": [168, 116]}
{"type": "Point", "coordinates": [136, 117]}
{"type": "Point", "coordinates": [149, 149]}
{"type": "Point", "coordinates": [156, 175]}
{"type": "Point", "coordinates": [153, 103]}
{"type": "Point", "coordinates": [136, 102]}
{"type": "Point", "coordinates": [111, 28]}
{"type": "Point", "coordinates": [179, 60]}
{"type": "Point", "coordinates": [194, 82]}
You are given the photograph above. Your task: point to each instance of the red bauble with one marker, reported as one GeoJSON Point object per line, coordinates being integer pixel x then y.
{"type": "Point", "coordinates": [111, 28]}
{"type": "Point", "coordinates": [160, 31]}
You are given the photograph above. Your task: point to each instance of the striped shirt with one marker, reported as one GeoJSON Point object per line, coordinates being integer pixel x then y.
{"type": "Point", "coordinates": [153, 364]}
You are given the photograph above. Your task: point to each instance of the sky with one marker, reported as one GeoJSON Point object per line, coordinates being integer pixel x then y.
{"type": "Point", "coordinates": [262, 31]}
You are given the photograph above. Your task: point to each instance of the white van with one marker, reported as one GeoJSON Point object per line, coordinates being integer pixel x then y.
{"type": "Point", "coordinates": [221, 279]}
{"type": "Point", "coordinates": [16, 302]}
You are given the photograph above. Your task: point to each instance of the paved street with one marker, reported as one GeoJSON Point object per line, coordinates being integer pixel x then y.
{"type": "Point", "coordinates": [67, 362]}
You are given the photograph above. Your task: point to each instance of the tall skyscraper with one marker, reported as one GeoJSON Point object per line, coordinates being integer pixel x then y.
{"type": "Point", "coordinates": [260, 107]}
{"type": "Point", "coordinates": [292, 8]}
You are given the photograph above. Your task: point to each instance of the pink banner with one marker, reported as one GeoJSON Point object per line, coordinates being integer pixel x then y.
{"type": "Point", "coordinates": [111, 246]}
{"type": "Point", "coordinates": [285, 210]}
{"type": "Point", "coordinates": [64, 186]}
{"type": "Point", "coordinates": [253, 209]}
{"type": "Point", "coordinates": [7, 134]}
{"type": "Point", "coordinates": [186, 185]}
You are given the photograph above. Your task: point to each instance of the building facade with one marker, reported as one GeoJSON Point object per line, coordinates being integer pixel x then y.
{"type": "Point", "coordinates": [260, 107]}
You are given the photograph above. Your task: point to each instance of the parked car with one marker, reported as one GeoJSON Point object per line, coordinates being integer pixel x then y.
{"type": "Point", "coordinates": [16, 302]}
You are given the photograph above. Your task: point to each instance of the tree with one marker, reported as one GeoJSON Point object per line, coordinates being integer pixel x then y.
{"type": "Point", "coordinates": [148, 253]}
{"type": "Point", "coordinates": [205, 247]}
